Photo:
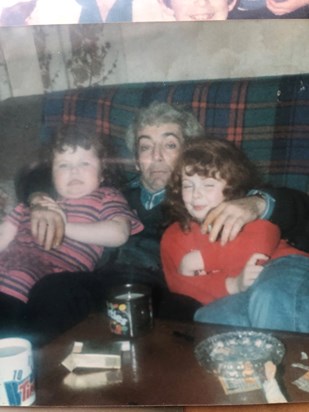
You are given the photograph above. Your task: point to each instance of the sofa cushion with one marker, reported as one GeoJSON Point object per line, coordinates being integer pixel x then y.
{"type": "Point", "coordinates": [268, 117]}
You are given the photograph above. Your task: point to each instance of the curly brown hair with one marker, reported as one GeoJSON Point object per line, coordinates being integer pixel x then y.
{"type": "Point", "coordinates": [160, 113]}
{"type": "Point", "coordinates": [75, 135]}
{"type": "Point", "coordinates": [209, 157]}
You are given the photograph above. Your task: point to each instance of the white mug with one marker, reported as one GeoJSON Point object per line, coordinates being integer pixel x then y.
{"type": "Point", "coordinates": [16, 372]}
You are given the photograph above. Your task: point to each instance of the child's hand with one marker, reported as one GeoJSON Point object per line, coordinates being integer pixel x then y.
{"type": "Point", "coordinates": [251, 271]}
{"type": "Point", "coordinates": [192, 264]}
{"type": "Point", "coordinates": [284, 7]}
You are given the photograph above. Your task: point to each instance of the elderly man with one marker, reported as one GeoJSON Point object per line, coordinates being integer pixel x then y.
{"type": "Point", "coordinates": [157, 137]}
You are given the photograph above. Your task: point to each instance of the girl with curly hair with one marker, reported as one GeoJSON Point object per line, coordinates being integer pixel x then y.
{"type": "Point", "coordinates": [257, 279]}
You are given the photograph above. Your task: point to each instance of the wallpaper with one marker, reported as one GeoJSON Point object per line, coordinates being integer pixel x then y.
{"type": "Point", "coordinates": [40, 59]}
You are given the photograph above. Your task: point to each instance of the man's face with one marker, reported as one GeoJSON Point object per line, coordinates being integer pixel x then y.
{"type": "Point", "coordinates": [158, 149]}
{"type": "Point", "coordinates": [199, 10]}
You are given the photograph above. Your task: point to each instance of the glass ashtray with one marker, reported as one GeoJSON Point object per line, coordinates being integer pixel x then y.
{"type": "Point", "coordinates": [229, 354]}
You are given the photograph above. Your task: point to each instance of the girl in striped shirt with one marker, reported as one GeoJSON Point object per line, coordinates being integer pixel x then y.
{"type": "Point", "coordinates": [96, 215]}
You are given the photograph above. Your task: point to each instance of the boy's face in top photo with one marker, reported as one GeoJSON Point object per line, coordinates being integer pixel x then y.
{"type": "Point", "coordinates": [76, 172]}
{"type": "Point", "coordinates": [200, 10]}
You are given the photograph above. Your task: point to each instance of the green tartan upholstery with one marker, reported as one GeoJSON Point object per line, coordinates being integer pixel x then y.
{"type": "Point", "coordinates": [268, 117]}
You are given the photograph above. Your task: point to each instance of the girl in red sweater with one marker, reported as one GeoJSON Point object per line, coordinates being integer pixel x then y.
{"type": "Point", "coordinates": [240, 276]}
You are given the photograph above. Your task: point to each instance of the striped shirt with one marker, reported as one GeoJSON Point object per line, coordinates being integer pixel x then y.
{"type": "Point", "coordinates": [24, 262]}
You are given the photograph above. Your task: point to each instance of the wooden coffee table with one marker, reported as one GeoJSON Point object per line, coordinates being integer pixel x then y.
{"type": "Point", "coordinates": [159, 370]}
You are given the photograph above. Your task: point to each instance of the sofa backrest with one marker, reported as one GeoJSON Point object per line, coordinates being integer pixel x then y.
{"type": "Point", "coordinates": [267, 117]}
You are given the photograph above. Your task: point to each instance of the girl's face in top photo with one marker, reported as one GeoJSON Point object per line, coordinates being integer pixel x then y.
{"type": "Point", "coordinates": [199, 10]}
{"type": "Point", "coordinates": [200, 194]}
{"type": "Point", "coordinates": [76, 172]}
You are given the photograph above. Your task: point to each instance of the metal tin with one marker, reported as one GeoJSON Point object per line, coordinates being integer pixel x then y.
{"type": "Point", "coordinates": [129, 308]}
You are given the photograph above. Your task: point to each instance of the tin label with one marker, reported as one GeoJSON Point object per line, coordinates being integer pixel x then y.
{"type": "Point", "coordinates": [119, 319]}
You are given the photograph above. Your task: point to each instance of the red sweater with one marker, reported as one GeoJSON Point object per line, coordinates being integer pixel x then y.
{"type": "Point", "coordinates": [220, 262]}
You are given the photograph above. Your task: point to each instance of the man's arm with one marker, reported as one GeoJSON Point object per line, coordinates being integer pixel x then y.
{"type": "Point", "coordinates": [226, 220]}
{"type": "Point", "coordinates": [47, 225]}
{"type": "Point", "coordinates": [33, 179]}
{"type": "Point", "coordinates": [290, 213]}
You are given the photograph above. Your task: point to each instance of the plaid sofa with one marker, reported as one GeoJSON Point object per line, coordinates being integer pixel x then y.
{"type": "Point", "coordinates": [267, 117]}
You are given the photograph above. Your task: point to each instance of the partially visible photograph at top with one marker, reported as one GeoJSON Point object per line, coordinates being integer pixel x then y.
{"type": "Point", "coordinates": [41, 12]}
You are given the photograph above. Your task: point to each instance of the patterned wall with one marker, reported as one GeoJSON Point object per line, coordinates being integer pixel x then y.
{"type": "Point", "coordinates": [40, 59]}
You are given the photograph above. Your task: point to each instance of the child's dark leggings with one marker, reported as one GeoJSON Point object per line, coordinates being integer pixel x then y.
{"type": "Point", "coordinates": [12, 316]}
